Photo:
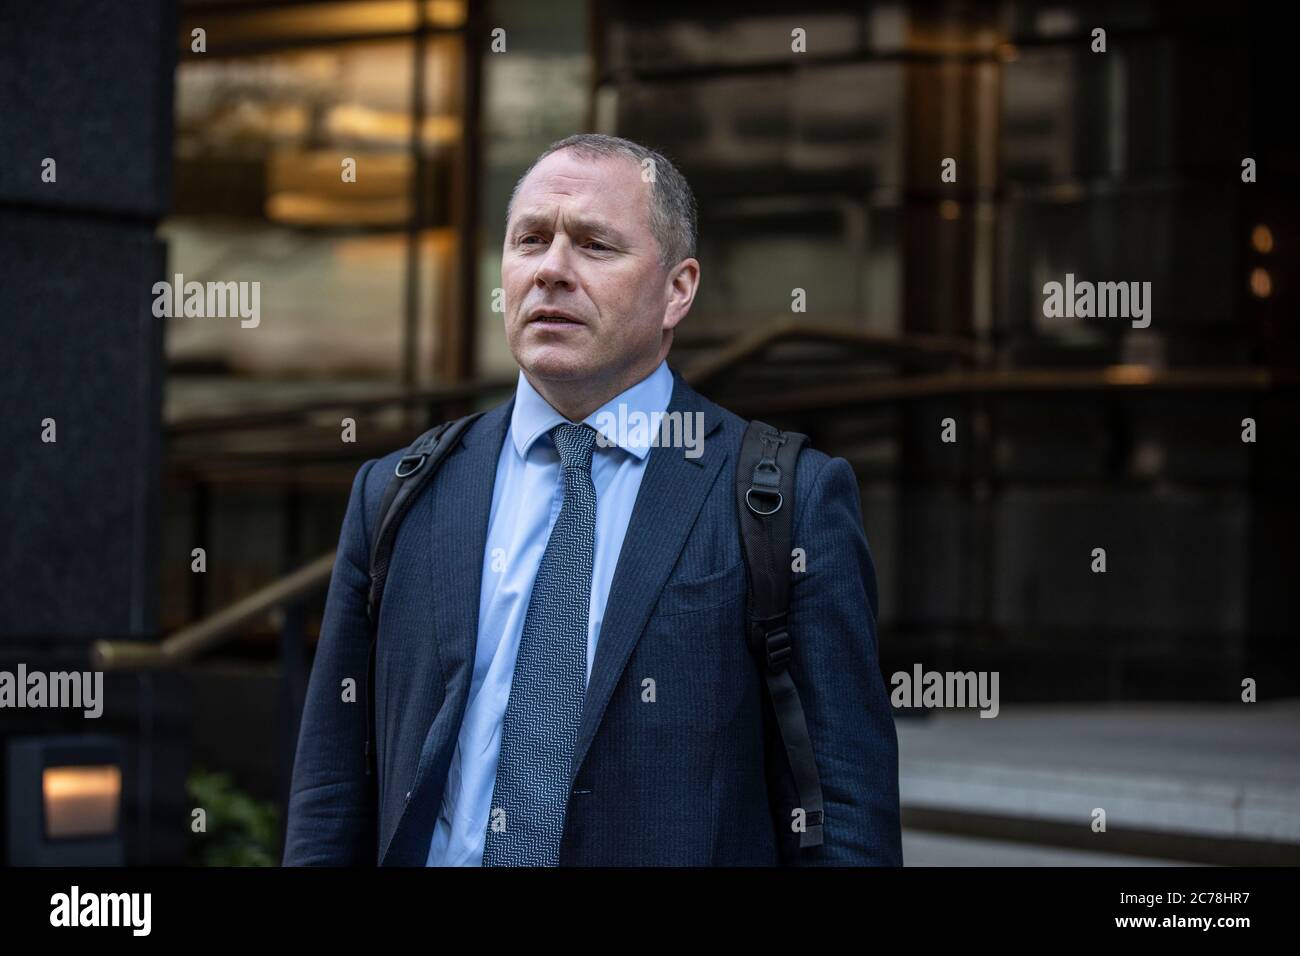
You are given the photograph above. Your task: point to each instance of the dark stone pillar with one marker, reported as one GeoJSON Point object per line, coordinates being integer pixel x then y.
{"type": "Point", "coordinates": [88, 84]}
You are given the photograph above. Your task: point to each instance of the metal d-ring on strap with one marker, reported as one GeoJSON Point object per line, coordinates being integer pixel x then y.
{"type": "Point", "coordinates": [780, 500]}
{"type": "Point", "coordinates": [766, 479]}
{"type": "Point", "coordinates": [419, 463]}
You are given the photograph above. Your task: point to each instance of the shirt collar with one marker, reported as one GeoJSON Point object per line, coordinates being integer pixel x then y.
{"type": "Point", "coordinates": [617, 420]}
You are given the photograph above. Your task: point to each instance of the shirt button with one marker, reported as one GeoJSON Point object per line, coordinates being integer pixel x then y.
{"type": "Point", "coordinates": [408, 796]}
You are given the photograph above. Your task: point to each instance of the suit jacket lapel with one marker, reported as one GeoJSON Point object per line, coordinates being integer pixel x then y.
{"type": "Point", "coordinates": [672, 491]}
{"type": "Point", "coordinates": [459, 504]}
{"type": "Point", "coordinates": [462, 508]}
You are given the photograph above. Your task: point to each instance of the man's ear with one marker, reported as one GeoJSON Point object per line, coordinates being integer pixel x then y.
{"type": "Point", "coordinates": [683, 281]}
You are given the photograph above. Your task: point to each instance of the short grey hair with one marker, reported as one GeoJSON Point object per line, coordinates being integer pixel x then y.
{"type": "Point", "coordinates": [673, 215]}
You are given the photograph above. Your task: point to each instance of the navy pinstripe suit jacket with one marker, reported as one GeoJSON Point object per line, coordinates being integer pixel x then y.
{"type": "Point", "coordinates": [697, 778]}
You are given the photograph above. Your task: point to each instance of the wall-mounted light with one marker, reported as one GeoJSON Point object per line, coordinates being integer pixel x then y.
{"type": "Point", "coordinates": [81, 801]}
{"type": "Point", "coordinates": [1261, 283]}
{"type": "Point", "coordinates": [64, 804]}
{"type": "Point", "coordinates": [1261, 237]}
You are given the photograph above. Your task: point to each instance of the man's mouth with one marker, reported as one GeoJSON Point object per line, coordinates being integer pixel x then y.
{"type": "Point", "coordinates": [554, 318]}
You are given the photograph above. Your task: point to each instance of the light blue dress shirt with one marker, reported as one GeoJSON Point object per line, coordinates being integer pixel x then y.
{"type": "Point", "coordinates": [526, 500]}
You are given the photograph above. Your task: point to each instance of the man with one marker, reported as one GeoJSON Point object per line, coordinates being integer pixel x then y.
{"type": "Point", "coordinates": [561, 671]}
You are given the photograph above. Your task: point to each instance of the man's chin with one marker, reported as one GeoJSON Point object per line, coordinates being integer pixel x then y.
{"type": "Point", "coordinates": [557, 365]}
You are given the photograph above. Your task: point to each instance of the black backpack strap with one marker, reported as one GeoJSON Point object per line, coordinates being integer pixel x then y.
{"type": "Point", "coordinates": [413, 472]}
{"type": "Point", "coordinates": [765, 474]}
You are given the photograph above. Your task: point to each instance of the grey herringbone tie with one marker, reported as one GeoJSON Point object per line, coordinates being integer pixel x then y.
{"type": "Point", "coordinates": [531, 792]}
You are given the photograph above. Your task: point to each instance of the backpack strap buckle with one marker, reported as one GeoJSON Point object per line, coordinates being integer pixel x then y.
{"type": "Point", "coordinates": [770, 640]}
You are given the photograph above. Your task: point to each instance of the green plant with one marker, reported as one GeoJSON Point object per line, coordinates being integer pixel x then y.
{"type": "Point", "coordinates": [240, 830]}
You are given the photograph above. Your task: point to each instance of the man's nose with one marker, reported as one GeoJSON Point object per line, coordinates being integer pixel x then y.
{"type": "Point", "coordinates": [555, 270]}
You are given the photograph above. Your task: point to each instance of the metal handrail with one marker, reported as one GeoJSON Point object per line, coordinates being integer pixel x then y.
{"type": "Point", "coordinates": [288, 414]}
{"type": "Point", "coordinates": [785, 328]}
{"type": "Point", "coordinates": [1113, 378]}
{"type": "Point", "coordinates": [193, 639]}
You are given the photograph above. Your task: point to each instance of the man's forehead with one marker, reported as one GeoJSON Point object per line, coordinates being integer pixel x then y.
{"type": "Point", "coordinates": [572, 163]}
{"type": "Point", "coordinates": [590, 181]}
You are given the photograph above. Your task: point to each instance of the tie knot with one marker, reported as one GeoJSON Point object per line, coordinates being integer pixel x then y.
{"type": "Point", "coordinates": [574, 443]}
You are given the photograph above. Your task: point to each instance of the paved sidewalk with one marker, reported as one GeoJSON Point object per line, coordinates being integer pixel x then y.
{"type": "Point", "coordinates": [1222, 771]}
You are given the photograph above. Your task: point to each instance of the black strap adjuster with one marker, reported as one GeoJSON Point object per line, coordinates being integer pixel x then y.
{"type": "Point", "coordinates": [770, 638]}
{"type": "Point", "coordinates": [779, 649]}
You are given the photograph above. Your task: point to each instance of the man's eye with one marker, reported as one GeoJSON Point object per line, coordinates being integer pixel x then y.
{"type": "Point", "coordinates": [597, 245]}
{"type": "Point", "coordinates": [529, 239]}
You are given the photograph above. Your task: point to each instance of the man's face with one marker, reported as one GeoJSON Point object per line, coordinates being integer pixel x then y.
{"type": "Point", "coordinates": [586, 296]}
